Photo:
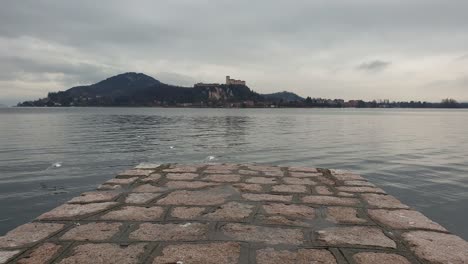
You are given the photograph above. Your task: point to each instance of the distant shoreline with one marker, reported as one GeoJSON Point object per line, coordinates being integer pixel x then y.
{"type": "Point", "coordinates": [250, 107]}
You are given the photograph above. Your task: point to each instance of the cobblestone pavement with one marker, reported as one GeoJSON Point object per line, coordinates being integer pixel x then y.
{"type": "Point", "coordinates": [229, 213]}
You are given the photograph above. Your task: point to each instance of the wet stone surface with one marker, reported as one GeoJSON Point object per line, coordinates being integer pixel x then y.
{"type": "Point", "coordinates": [211, 253]}
{"type": "Point", "coordinates": [92, 232]}
{"type": "Point", "coordinates": [187, 212]}
{"type": "Point", "coordinates": [135, 213]}
{"type": "Point", "coordinates": [355, 236]}
{"type": "Point", "coordinates": [301, 256]}
{"type": "Point", "coordinates": [404, 219]}
{"type": "Point", "coordinates": [5, 256]}
{"type": "Point", "coordinates": [268, 235]}
{"type": "Point", "coordinates": [373, 258]}
{"type": "Point", "coordinates": [290, 210]}
{"type": "Point", "coordinates": [233, 213]}
{"type": "Point", "coordinates": [170, 232]}
{"type": "Point", "coordinates": [95, 197]}
{"type": "Point", "coordinates": [437, 247]}
{"type": "Point", "coordinates": [105, 254]}
{"type": "Point", "coordinates": [41, 254]}
{"type": "Point", "coordinates": [28, 233]}
{"type": "Point", "coordinates": [344, 215]}
{"type": "Point", "coordinates": [290, 188]}
{"type": "Point", "coordinates": [74, 211]}
{"type": "Point", "coordinates": [141, 198]}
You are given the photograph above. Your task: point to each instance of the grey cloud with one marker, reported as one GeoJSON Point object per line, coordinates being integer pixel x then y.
{"type": "Point", "coordinates": [15, 67]}
{"type": "Point", "coordinates": [374, 66]}
{"type": "Point", "coordinates": [299, 44]}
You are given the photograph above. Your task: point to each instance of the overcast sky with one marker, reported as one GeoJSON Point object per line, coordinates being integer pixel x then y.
{"type": "Point", "coordinates": [350, 49]}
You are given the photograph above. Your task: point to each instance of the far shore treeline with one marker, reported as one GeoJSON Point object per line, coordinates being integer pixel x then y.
{"type": "Point", "coordinates": [139, 90]}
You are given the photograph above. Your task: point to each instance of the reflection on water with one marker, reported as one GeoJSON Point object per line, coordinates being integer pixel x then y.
{"type": "Point", "coordinates": [48, 156]}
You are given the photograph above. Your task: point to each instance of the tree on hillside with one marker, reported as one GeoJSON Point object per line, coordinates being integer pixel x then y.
{"type": "Point", "coordinates": [449, 103]}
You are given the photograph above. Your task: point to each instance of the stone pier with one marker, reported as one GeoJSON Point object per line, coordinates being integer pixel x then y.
{"type": "Point", "coordinates": [232, 213]}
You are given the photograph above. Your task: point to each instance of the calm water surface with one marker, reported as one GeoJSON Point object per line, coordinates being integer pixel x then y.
{"type": "Point", "coordinates": [420, 156]}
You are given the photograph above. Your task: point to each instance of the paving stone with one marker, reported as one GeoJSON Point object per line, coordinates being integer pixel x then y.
{"type": "Point", "coordinates": [323, 190]}
{"type": "Point", "coordinates": [435, 247]}
{"type": "Point", "coordinates": [189, 184]}
{"type": "Point", "coordinates": [348, 177]}
{"type": "Point", "coordinates": [303, 169]}
{"type": "Point", "coordinates": [325, 180]}
{"type": "Point", "coordinates": [222, 178]}
{"type": "Point", "coordinates": [28, 233]}
{"type": "Point", "coordinates": [141, 198]}
{"type": "Point", "coordinates": [300, 256]}
{"type": "Point", "coordinates": [107, 187]}
{"type": "Point", "coordinates": [267, 197]}
{"type": "Point", "coordinates": [105, 254]}
{"type": "Point", "coordinates": [274, 173]}
{"type": "Point", "coordinates": [263, 168]}
{"type": "Point", "coordinates": [261, 180]}
{"type": "Point", "coordinates": [218, 171]}
{"type": "Point", "coordinates": [382, 201]}
{"type": "Point", "coordinates": [346, 194]}
{"type": "Point", "coordinates": [286, 219]}
{"type": "Point", "coordinates": [380, 258]}
{"type": "Point", "coordinates": [222, 167]}
{"type": "Point", "coordinates": [121, 181]}
{"type": "Point", "coordinates": [249, 172]}
{"type": "Point", "coordinates": [170, 232]}
{"type": "Point", "coordinates": [153, 178]}
{"type": "Point", "coordinates": [330, 200]}
{"type": "Point", "coordinates": [40, 255]}
{"type": "Point", "coordinates": [404, 219]}
{"type": "Point", "coordinates": [187, 212]}
{"type": "Point", "coordinates": [291, 210]}
{"type": "Point", "coordinates": [358, 189]}
{"type": "Point", "coordinates": [182, 169]}
{"type": "Point", "coordinates": [135, 213]}
{"type": "Point", "coordinates": [359, 183]}
{"type": "Point", "coordinates": [282, 220]}
{"type": "Point", "coordinates": [304, 174]}
{"type": "Point", "coordinates": [268, 235]}
{"type": "Point", "coordinates": [148, 188]}
{"type": "Point", "coordinates": [289, 188]}
{"type": "Point", "coordinates": [136, 172]}
{"type": "Point", "coordinates": [231, 211]}
{"type": "Point", "coordinates": [92, 232]}
{"type": "Point", "coordinates": [299, 181]}
{"type": "Point", "coordinates": [204, 197]}
{"type": "Point", "coordinates": [355, 236]}
{"type": "Point", "coordinates": [344, 215]}
{"type": "Point", "coordinates": [7, 255]}
{"type": "Point", "coordinates": [147, 166]}
{"type": "Point", "coordinates": [181, 176]}
{"type": "Point", "coordinates": [76, 210]}
{"type": "Point", "coordinates": [95, 197]}
{"type": "Point", "coordinates": [210, 253]}
{"type": "Point", "coordinates": [248, 187]}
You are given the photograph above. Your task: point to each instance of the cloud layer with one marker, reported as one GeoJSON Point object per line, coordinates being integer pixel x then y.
{"type": "Point", "coordinates": [389, 49]}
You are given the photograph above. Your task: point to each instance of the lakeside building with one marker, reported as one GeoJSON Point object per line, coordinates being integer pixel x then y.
{"type": "Point", "coordinates": [230, 81]}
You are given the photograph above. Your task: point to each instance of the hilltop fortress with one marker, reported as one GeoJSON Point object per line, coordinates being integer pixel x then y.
{"type": "Point", "coordinates": [229, 81]}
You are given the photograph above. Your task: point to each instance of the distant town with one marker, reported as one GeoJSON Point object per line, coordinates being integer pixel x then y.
{"type": "Point", "coordinates": [140, 90]}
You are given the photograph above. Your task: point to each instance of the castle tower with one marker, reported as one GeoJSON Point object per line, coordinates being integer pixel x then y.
{"type": "Point", "coordinates": [228, 79]}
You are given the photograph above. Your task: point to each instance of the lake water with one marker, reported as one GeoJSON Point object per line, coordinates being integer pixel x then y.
{"type": "Point", "coordinates": [420, 156]}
